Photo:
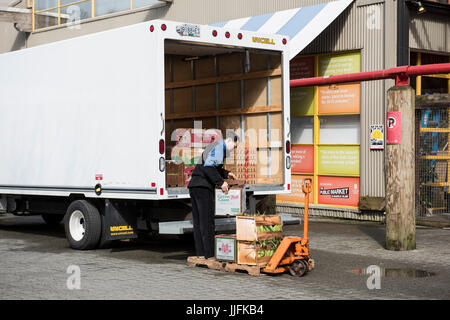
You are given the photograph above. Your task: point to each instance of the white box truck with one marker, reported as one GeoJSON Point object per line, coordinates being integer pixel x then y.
{"type": "Point", "coordinates": [87, 124]}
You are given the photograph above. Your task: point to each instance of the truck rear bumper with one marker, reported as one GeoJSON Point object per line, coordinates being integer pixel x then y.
{"type": "Point", "coordinates": [222, 224]}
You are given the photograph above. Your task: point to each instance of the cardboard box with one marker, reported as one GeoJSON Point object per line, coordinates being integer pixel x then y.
{"type": "Point", "coordinates": [225, 247]}
{"type": "Point", "coordinates": [175, 174]}
{"type": "Point", "coordinates": [189, 137]}
{"type": "Point", "coordinates": [228, 204]}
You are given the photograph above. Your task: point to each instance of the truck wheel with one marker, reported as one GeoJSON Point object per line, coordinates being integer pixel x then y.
{"type": "Point", "coordinates": [52, 219]}
{"type": "Point", "coordinates": [83, 225]}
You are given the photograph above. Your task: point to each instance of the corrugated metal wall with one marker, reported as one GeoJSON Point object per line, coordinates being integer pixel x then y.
{"type": "Point", "coordinates": [358, 28]}
{"type": "Point", "coordinates": [362, 28]}
{"type": "Point", "coordinates": [211, 11]}
{"type": "Point", "coordinates": [429, 32]}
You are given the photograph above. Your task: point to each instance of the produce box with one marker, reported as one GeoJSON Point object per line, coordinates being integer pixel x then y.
{"type": "Point", "coordinates": [211, 135]}
{"type": "Point", "coordinates": [235, 183]}
{"type": "Point", "coordinates": [228, 204]}
{"type": "Point", "coordinates": [225, 247]}
{"type": "Point", "coordinates": [255, 228]}
{"type": "Point", "coordinates": [243, 163]}
{"type": "Point", "coordinates": [256, 253]}
{"type": "Point", "coordinates": [175, 174]}
{"type": "Point", "coordinates": [190, 137]}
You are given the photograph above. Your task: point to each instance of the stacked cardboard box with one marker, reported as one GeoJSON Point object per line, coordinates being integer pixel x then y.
{"type": "Point", "coordinates": [195, 138]}
{"type": "Point", "coordinates": [243, 163]}
{"type": "Point", "coordinates": [225, 247]}
{"type": "Point", "coordinates": [188, 147]}
{"type": "Point", "coordinates": [256, 238]}
{"type": "Point", "coordinates": [174, 174]}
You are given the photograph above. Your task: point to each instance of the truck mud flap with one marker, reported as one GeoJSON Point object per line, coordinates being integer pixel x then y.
{"type": "Point", "coordinates": [120, 222]}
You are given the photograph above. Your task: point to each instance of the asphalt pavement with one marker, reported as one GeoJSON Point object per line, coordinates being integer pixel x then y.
{"type": "Point", "coordinates": [350, 263]}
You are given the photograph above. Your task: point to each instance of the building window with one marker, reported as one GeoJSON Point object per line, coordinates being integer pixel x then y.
{"type": "Point", "coordinates": [47, 13]}
{"type": "Point", "coordinates": [103, 7]}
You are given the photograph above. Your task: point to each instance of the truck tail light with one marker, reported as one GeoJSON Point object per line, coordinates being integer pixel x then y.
{"type": "Point", "coordinates": [240, 36]}
{"type": "Point", "coordinates": [161, 146]}
{"type": "Point", "coordinates": [153, 184]}
{"type": "Point", "coordinates": [214, 33]}
{"type": "Point", "coordinates": [284, 41]}
{"type": "Point", "coordinates": [289, 186]}
{"type": "Point", "coordinates": [161, 191]}
{"type": "Point", "coordinates": [162, 164]}
{"type": "Point", "coordinates": [163, 27]}
{"type": "Point", "coordinates": [227, 34]}
{"type": "Point", "coordinates": [152, 28]}
{"type": "Point", "coordinates": [288, 146]}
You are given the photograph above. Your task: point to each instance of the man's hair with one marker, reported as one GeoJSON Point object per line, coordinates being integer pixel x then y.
{"type": "Point", "coordinates": [232, 135]}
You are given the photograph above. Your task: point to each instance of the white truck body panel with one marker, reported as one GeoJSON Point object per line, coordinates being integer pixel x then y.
{"type": "Point", "coordinates": [100, 121]}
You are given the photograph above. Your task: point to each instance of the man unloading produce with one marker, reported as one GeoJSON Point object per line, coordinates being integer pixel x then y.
{"type": "Point", "coordinates": [208, 174]}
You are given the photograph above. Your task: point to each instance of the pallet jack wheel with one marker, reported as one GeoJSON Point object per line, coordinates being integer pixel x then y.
{"type": "Point", "coordinates": [298, 268]}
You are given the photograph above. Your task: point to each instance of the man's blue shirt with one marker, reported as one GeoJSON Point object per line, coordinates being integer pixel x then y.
{"type": "Point", "coordinates": [217, 155]}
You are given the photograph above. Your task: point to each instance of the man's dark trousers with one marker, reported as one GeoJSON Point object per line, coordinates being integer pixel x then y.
{"type": "Point", "coordinates": [202, 200]}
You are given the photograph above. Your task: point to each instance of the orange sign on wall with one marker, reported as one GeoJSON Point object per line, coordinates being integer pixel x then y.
{"type": "Point", "coordinates": [302, 159]}
{"type": "Point", "coordinates": [296, 194]}
{"type": "Point", "coordinates": [343, 98]}
{"type": "Point", "coordinates": [338, 191]}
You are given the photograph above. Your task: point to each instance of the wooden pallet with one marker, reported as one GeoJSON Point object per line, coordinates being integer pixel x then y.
{"type": "Point", "coordinates": [224, 266]}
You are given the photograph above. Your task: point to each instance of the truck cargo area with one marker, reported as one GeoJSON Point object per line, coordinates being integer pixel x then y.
{"type": "Point", "coordinates": [211, 89]}
{"type": "Point", "coordinates": [111, 154]}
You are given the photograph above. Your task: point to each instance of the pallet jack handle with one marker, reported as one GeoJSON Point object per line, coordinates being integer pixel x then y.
{"type": "Point", "coordinates": [306, 188]}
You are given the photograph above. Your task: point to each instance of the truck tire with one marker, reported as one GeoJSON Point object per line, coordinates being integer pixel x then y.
{"type": "Point", "coordinates": [83, 225]}
{"type": "Point", "coordinates": [52, 220]}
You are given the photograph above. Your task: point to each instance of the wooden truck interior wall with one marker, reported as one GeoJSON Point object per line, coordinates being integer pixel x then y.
{"type": "Point", "coordinates": [215, 86]}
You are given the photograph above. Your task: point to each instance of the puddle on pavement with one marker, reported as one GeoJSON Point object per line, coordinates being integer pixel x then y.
{"type": "Point", "coordinates": [395, 273]}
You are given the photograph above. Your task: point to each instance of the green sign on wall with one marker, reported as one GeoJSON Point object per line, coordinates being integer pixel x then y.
{"type": "Point", "coordinates": [339, 160]}
{"type": "Point", "coordinates": [302, 101]}
{"type": "Point", "coordinates": [339, 64]}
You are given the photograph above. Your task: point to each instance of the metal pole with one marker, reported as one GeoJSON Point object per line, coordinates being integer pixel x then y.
{"type": "Point", "coordinates": [306, 188]}
{"type": "Point", "coordinates": [402, 33]}
{"type": "Point", "coordinates": [400, 74]}
{"type": "Point", "coordinates": [33, 17]}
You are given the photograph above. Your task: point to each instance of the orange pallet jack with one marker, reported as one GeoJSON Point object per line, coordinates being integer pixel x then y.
{"type": "Point", "coordinates": [293, 252]}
